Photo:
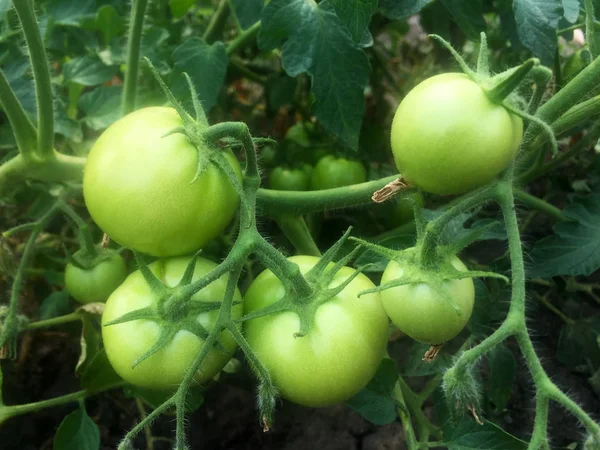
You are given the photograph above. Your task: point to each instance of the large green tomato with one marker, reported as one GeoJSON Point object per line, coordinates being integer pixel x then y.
{"type": "Point", "coordinates": [137, 187]}
{"type": "Point", "coordinates": [421, 312]}
{"type": "Point", "coordinates": [448, 137]}
{"type": "Point", "coordinates": [331, 172]}
{"type": "Point", "coordinates": [165, 369]}
{"type": "Point", "coordinates": [96, 283]}
{"type": "Point", "coordinates": [337, 357]}
{"type": "Point", "coordinates": [289, 179]}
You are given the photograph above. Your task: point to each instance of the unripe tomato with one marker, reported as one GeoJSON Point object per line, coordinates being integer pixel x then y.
{"type": "Point", "coordinates": [331, 172]}
{"type": "Point", "coordinates": [98, 282]}
{"type": "Point", "coordinates": [448, 137]}
{"type": "Point", "coordinates": [289, 179]}
{"type": "Point", "coordinates": [421, 312]}
{"type": "Point", "coordinates": [575, 64]}
{"type": "Point", "coordinates": [136, 186]}
{"type": "Point", "coordinates": [165, 369]}
{"type": "Point", "coordinates": [338, 355]}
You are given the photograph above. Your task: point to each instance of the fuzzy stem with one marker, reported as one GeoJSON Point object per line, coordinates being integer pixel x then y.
{"type": "Point", "coordinates": [243, 39]}
{"type": "Point", "coordinates": [540, 205]}
{"type": "Point", "coordinates": [41, 77]}
{"type": "Point", "coordinates": [295, 229]}
{"type": "Point", "coordinates": [134, 40]}
{"type": "Point", "coordinates": [217, 22]}
{"type": "Point", "coordinates": [67, 318]}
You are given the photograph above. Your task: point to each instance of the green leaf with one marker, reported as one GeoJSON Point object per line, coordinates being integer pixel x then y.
{"type": "Point", "coordinates": [503, 372]}
{"type": "Point", "coordinates": [575, 248]}
{"type": "Point", "coordinates": [376, 402]}
{"type": "Point", "coordinates": [77, 432]}
{"type": "Point", "coordinates": [88, 71]}
{"type": "Point", "coordinates": [5, 5]}
{"type": "Point", "coordinates": [416, 367]}
{"type": "Point", "coordinates": [537, 21]}
{"type": "Point", "coordinates": [577, 344]}
{"type": "Point", "coordinates": [205, 64]}
{"type": "Point", "coordinates": [180, 7]}
{"type": "Point", "coordinates": [55, 305]}
{"type": "Point", "coordinates": [356, 15]}
{"type": "Point", "coordinates": [99, 373]}
{"type": "Point", "coordinates": [71, 13]}
{"type": "Point", "coordinates": [314, 40]}
{"type": "Point", "coordinates": [14, 71]}
{"type": "Point", "coordinates": [109, 22]}
{"type": "Point", "coordinates": [101, 106]}
{"type": "Point", "coordinates": [469, 435]}
{"type": "Point", "coordinates": [247, 12]}
{"type": "Point", "coordinates": [401, 9]}
{"type": "Point", "coordinates": [571, 10]}
{"type": "Point", "coordinates": [468, 15]}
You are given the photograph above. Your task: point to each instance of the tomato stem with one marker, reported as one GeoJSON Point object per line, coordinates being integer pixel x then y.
{"type": "Point", "coordinates": [134, 40]}
{"type": "Point", "coordinates": [295, 229]}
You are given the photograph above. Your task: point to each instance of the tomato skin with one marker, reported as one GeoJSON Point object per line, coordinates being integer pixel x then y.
{"type": "Point", "coordinates": [97, 283]}
{"type": "Point", "coordinates": [337, 357]}
{"type": "Point", "coordinates": [136, 186]}
{"type": "Point", "coordinates": [284, 179]}
{"type": "Point", "coordinates": [125, 342]}
{"type": "Point", "coordinates": [331, 172]}
{"type": "Point", "coordinates": [421, 313]}
{"type": "Point", "coordinates": [448, 137]}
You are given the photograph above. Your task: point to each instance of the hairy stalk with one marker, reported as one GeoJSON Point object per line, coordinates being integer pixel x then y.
{"type": "Point", "coordinates": [134, 41]}
{"type": "Point", "coordinates": [217, 22]}
{"type": "Point", "coordinates": [295, 229]}
{"type": "Point", "coordinates": [41, 77]}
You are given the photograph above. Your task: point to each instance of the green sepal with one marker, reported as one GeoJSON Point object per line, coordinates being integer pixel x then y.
{"type": "Point", "coordinates": [198, 109]}
{"type": "Point", "coordinates": [166, 335]}
{"type": "Point", "coordinates": [147, 313]}
{"type": "Point", "coordinates": [547, 128]}
{"type": "Point", "coordinates": [459, 59]}
{"type": "Point", "coordinates": [375, 248]}
{"type": "Point", "coordinates": [189, 270]}
{"type": "Point", "coordinates": [499, 87]}
{"type": "Point", "coordinates": [328, 256]}
{"type": "Point", "coordinates": [483, 65]}
{"type": "Point", "coordinates": [155, 284]}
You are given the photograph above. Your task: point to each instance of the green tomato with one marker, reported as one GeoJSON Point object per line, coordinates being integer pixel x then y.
{"type": "Point", "coordinates": [268, 155]}
{"type": "Point", "coordinates": [165, 369]}
{"type": "Point", "coordinates": [289, 179]}
{"type": "Point", "coordinates": [421, 312]}
{"type": "Point", "coordinates": [331, 172]}
{"type": "Point", "coordinates": [98, 282]}
{"type": "Point", "coordinates": [575, 64]}
{"type": "Point", "coordinates": [299, 134]}
{"type": "Point", "coordinates": [340, 353]}
{"type": "Point", "coordinates": [448, 137]}
{"type": "Point", "coordinates": [136, 186]}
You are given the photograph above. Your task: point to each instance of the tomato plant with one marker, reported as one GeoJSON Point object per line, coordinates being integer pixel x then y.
{"type": "Point", "coordinates": [331, 172]}
{"type": "Point", "coordinates": [138, 186]}
{"type": "Point", "coordinates": [337, 357]}
{"type": "Point", "coordinates": [126, 342]}
{"type": "Point", "coordinates": [448, 137]}
{"type": "Point", "coordinates": [422, 312]}
{"type": "Point", "coordinates": [95, 283]}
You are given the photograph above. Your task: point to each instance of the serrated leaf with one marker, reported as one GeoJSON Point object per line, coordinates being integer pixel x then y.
{"type": "Point", "coordinates": [55, 305]}
{"type": "Point", "coordinates": [314, 40]}
{"type": "Point", "coordinates": [468, 15]}
{"type": "Point", "coordinates": [571, 10]}
{"type": "Point", "coordinates": [375, 402]}
{"type": "Point", "coordinates": [469, 435]}
{"type": "Point", "coordinates": [577, 343]}
{"type": "Point", "coordinates": [416, 367]}
{"type": "Point", "coordinates": [101, 107]}
{"type": "Point", "coordinates": [205, 64]}
{"type": "Point", "coordinates": [356, 15]}
{"type": "Point", "coordinates": [180, 7]}
{"type": "Point", "coordinates": [503, 372]}
{"type": "Point", "coordinates": [109, 22]}
{"type": "Point", "coordinates": [70, 13]}
{"type": "Point", "coordinates": [401, 9]}
{"type": "Point", "coordinates": [537, 21]}
{"type": "Point", "coordinates": [77, 432]}
{"type": "Point", "coordinates": [99, 373]}
{"type": "Point", "coordinates": [247, 12]}
{"type": "Point", "coordinates": [575, 248]}
{"type": "Point", "coordinates": [88, 71]}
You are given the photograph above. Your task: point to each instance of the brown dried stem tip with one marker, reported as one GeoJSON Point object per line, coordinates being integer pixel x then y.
{"type": "Point", "coordinates": [389, 190]}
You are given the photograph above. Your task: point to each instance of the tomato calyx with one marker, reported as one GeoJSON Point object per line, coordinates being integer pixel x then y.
{"type": "Point", "coordinates": [86, 260]}
{"type": "Point", "coordinates": [319, 279]}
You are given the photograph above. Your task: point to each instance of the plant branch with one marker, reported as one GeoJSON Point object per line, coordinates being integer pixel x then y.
{"type": "Point", "coordinates": [243, 39]}
{"type": "Point", "coordinates": [295, 229]}
{"type": "Point", "coordinates": [217, 22]}
{"type": "Point", "coordinates": [134, 40]}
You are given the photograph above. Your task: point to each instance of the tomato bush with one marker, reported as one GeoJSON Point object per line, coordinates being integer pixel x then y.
{"type": "Point", "coordinates": [95, 283]}
{"type": "Point", "coordinates": [420, 311]}
{"type": "Point", "coordinates": [338, 355]}
{"type": "Point", "coordinates": [448, 137]}
{"type": "Point", "coordinates": [137, 186]}
{"type": "Point", "coordinates": [331, 172]}
{"type": "Point", "coordinates": [126, 342]}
